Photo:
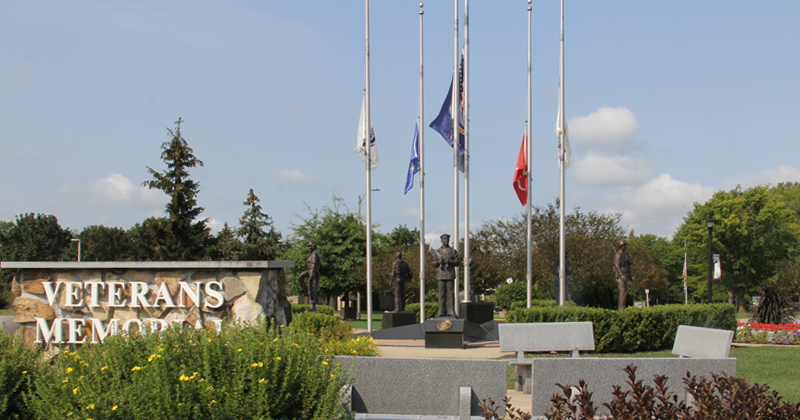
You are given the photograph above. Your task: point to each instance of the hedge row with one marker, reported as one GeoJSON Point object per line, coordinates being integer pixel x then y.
{"type": "Point", "coordinates": [634, 329]}
{"type": "Point", "coordinates": [431, 309]}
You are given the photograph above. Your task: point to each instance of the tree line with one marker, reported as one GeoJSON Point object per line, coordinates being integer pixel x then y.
{"type": "Point", "coordinates": [757, 233]}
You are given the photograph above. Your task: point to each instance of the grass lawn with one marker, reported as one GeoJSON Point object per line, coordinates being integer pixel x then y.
{"type": "Point", "coordinates": [362, 323]}
{"type": "Point", "coordinates": [775, 366]}
{"type": "Point", "coordinates": [7, 312]}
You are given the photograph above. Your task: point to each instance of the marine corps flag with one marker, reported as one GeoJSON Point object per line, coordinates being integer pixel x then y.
{"type": "Point", "coordinates": [521, 172]}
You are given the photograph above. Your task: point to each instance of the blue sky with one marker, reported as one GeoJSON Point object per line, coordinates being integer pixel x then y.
{"type": "Point", "coordinates": [667, 102]}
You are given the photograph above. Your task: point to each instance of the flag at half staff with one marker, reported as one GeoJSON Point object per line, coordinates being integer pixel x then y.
{"type": "Point", "coordinates": [361, 143]}
{"type": "Point", "coordinates": [413, 163]}
{"type": "Point", "coordinates": [443, 123]}
{"type": "Point", "coordinates": [521, 172]}
{"type": "Point", "coordinates": [561, 125]}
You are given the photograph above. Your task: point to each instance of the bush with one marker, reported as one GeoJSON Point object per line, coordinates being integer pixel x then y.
{"type": "Point", "coordinates": [18, 363]}
{"type": "Point", "coordinates": [431, 310]}
{"type": "Point", "coordinates": [773, 308]}
{"type": "Point", "coordinates": [633, 329]}
{"type": "Point", "coordinates": [248, 372]}
{"type": "Point", "coordinates": [721, 397]}
{"type": "Point", "coordinates": [323, 309]}
{"type": "Point", "coordinates": [536, 303]}
{"type": "Point", "coordinates": [507, 294]}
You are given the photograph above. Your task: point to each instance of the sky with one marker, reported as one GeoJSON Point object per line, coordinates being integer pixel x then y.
{"type": "Point", "coordinates": [666, 102]}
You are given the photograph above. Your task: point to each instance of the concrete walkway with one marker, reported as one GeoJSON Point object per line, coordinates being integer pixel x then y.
{"type": "Point", "coordinates": [484, 350]}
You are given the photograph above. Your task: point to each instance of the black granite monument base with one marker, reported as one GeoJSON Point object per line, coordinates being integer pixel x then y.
{"type": "Point", "coordinates": [444, 333]}
{"type": "Point", "coordinates": [398, 319]}
{"type": "Point", "coordinates": [477, 312]}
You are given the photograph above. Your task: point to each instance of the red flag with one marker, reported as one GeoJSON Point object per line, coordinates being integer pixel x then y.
{"type": "Point", "coordinates": [521, 172]}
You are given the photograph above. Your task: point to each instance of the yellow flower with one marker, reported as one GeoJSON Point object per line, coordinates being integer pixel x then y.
{"type": "Point", "coordinates": [254, 365]}
{"type": "Point", "coordinates": [103, 368]}
{"type": "Point", "coordinates": [275, 340]}
{"type": "Point", "coordinates": [325, 362]}
{"type": "Point", "coordinates": [90, 407]}
{"type": "Point", "coordinates": [65, 380]}
{"type": "Point", "coordinates": [262, 380]}
{"type": "Point", "coordinates": [150, 359]}
{"type": "Point", "coordinates": [210, 388]}
{"type": "Point", "coordinates": [74, 391]}
{"type": "Point", "coordinates": [278, 358]}
{"type": "Point", "coordinates": [208, 339]}
{"type": "Point", "coordinates": [69, 369]}
{"type": "Point", "coordinates": [135, 368]}
{"type": "Point", "coordinates": [24, 372]}
{"type": "Point", "coordinates": [295, 344]}
{"type": "Point", "coordinates": [238, 350]}
{"type": "Point", "coordinates": [260, 364]}
{"type": "Point", "coordinates": [332, 376]}
{"type": "Point", "coordinates": [114, 408]}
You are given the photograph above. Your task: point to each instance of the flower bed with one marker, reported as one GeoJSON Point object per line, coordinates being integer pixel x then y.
{"type": "Point", "coordinates": [755, 333]}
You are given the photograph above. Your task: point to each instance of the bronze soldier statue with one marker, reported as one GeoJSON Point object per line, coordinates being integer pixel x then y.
{"type": "Point", "coordinates": [401, 274]}
{"type": "Point", "coordinates": [446, 259]}
{"type": "Point", "coordinates": [622, 268]}
{"type": "Point", "coordinates": [312, 274]}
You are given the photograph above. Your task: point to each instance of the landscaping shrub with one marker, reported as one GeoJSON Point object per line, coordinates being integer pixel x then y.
{"type": "Point", "coordinates": [431, 309]}
{"type": "Point", "coordinates": [507, 294]}
{"type": "Point", "coordinates": [238, 373]}
{"type": "Point", "coordinates": [721, 397]}
{"type": "Point", "coordinates": [543, 303]}
{"type": "Point", "coordinates": [773, 308]}
{"type": "Point", "coordinates": [323, 309]}
{"type": "Point", "coordinates": [633, 329]}
{"type": "Point", "coordinates": [18, 363]}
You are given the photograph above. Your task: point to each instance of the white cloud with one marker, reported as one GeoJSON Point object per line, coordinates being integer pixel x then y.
{"type": "Point", "coordinates": [409, 212]}
{"type": "Point", "coordinates": [659, 206]}
{"type": "Point", "coordinates": [295, 176]}
{"type": "Point", "coordinates": [596, 170]}
{"type": "Point", "coordinates": [120, 191]}
{"type": "Point", "coordinates": [605, 127]}
{"type": "Point", "coordinates": [215, 225]}
{"type": "Point", "coordinates": [771, 177]}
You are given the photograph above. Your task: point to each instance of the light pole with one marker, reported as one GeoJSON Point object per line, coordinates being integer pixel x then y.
{"type": "Point", "coordinates": [79, 248]}
{"type": "Point", "coordinates": [710, 225]}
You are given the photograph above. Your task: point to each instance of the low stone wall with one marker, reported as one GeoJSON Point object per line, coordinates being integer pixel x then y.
{"type": "Point", "coordinates": [79, 302]}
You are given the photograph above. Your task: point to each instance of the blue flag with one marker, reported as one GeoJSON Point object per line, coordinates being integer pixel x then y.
{"type": "Point", "coordinates": [443, 124]}
{"type": "Point", "coordinates": [413, 163]}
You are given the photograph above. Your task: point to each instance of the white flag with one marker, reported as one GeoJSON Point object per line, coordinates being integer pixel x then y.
{"type": "Point", "coordinates": [717, 268]}
{"type": "Point", "coordinates": [361, 143]}
{"type": "Point", "coordinates": [567, 150]}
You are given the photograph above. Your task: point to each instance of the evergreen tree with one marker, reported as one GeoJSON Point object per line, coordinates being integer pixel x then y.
{"type": "Point", "coordinates": [181, 237]}
{"type": "Point", "coordinates": [259, 239]}
{"type": "Point", "coordinates": [226, 246]}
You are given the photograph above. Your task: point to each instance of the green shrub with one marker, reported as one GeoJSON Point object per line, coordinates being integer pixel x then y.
{"type": "Point", "coordinates": [543, 303]}
{"type": "Point", "coordinates": [326, 327]}
{"type": "Point", "coordinates": [323, 309]}
{"type": "Point", "coordinates": [633, 329]}
{"type": "Point", "coordinates": [507, 294]}
{"type": "Point", "coordinates": [238, 373]}
{"type": "Point", "coordinates": [431, 310]}
{"type": "Point", "coordinates": [18, 363]}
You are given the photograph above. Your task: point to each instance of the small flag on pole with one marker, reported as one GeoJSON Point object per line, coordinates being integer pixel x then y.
{"type": "Point", "coordinates": [361, 141]}
{"type": "Point", "coordinates": [521, 172]}
{"type": "Point", "coordinates": [561, 121]}
{"type": "Point", "coordinates": [413, 163]}
{"type": "Point", "coordinates": [684, 266]}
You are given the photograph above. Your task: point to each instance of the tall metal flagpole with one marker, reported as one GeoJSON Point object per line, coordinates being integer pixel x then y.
{"type": "Point", "coordinates": [467, 288]}
{"type": "Point", "coordinates": [528, 160]}
{"type": "Point", "coordinates": [562, 258]}
{"type": "Point", "coordinates": [368, 125]}
{"type": "Point", "coordinates": [421, 133]}
{"type": "Point", "coordinates": [456, 95]}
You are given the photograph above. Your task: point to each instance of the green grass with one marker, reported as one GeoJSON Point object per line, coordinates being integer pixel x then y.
{"type": "Point", "coordinates": [775, 366]}
{"type": "Point", "coordinates": [7, 312]}
{"type": "Point", "coordinates": [362, 323]}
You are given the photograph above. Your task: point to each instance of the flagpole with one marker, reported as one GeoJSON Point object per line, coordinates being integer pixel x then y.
{"type": "Point", "coordinates": [421, 134]}
{"type": "Point", "coordinates": [562, 270]}
{"type": "Point", "coordinates": [528, 159]}
{"type": "Point", "coordinates": [685, 288]}
{"type": "Point", "coordinates": [368, 125]}
{"type": "Point", "coordinates": [467, 288]}
{"type": "Point", "coordinates": [456, 116]}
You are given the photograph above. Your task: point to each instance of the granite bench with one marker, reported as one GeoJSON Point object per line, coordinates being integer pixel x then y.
{"type": "Point", "coordinates": [701, 351]}
{"type": "Point", "coordinates": [393, 386]}
{"type": "Point", "coordinates": [571, 337]}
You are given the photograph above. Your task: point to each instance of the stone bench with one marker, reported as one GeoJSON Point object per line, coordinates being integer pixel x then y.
{"type": "Point", "coordinates": [702, 351]}
{"type": "Point", "coordinates": [391, 386]}
{"type": "Point", "coordinates": [542, 337]}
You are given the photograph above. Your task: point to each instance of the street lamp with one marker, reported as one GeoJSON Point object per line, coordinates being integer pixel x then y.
{"type": "Point", "coordinates": [79, 248]}
{"type": "Point", "coordinates": [710, 224]}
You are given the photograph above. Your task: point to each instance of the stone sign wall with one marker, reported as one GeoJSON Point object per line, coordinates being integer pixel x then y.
{"type": "Point", "coordinates": [75, 303]}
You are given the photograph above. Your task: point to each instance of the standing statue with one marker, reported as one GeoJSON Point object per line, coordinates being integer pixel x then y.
{"type": "Point", "coordinates": [556, 272]}
{"type": "Point", "coordinates": [622, 268]}
{"type": "Point", "coordinates": [312, 274]}
{"type": "Point", "coordinates": [401, 274]}
{"type": "Point", "coordinates": [446, 259]}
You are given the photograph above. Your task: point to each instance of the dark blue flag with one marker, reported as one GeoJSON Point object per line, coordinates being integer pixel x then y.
{"type": "Point", "coordinates": [443, 124]}
{"type": "Point", "coordinates": [413, 163]}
